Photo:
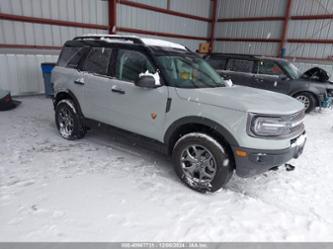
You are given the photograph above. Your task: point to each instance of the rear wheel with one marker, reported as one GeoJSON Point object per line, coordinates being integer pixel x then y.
{"type": "Point", "coordinates": [68, 120]}
{"type": "Point", "coordinates": [201, 162]}
{"type": "Point", "coordinates": [308, 100]}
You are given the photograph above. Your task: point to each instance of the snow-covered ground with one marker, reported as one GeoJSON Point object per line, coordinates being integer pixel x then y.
{"type": "Point", "coordinates": [102, 188]}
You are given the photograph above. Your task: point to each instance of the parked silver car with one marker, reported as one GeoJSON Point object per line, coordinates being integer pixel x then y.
{"type": "Point", "coordinates": [166, 93]}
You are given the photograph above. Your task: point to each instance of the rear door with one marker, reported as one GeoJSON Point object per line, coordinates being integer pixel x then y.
{"type": "Point", "coordinates": [66, 75]}
{"type": "Point", "coordinates": [240, 71]}
{"type": "Point", "coordinates": [270, 76]}
{"type": "Point", "coordinates": [97, 84]}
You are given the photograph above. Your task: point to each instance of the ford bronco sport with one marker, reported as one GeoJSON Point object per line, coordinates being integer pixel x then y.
{"type": "Point", "coordinates": [162, 91]}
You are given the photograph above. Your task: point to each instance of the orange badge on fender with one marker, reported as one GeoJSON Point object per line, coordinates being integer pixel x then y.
{"type": "Point", "coordinates": [153, 115]}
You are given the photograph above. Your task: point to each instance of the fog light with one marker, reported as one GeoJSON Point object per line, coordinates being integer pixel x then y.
{"type": "Point", "coordinates": [241, 153]}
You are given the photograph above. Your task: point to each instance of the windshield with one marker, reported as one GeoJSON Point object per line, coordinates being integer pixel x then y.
{"type": "Point", "coordinates": [186, 71]}
{"type": "Point", "coordinates": [291, 69]}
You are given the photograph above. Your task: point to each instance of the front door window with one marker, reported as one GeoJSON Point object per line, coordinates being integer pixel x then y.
{"type": "Point", "coordinates": [130, 64]}
{"type": "Point", "coordinates": [269, 68]}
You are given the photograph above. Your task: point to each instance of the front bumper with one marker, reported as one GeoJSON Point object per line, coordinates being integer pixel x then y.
{"type": "Point", "coordinates": [259, 161]}
{"type": "Point", "coordinates": [326, 102]}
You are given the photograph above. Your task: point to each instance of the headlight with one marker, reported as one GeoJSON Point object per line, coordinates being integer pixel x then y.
{"type": "Point", "coordinates": [330, 92]}
{"type": "Point", "coordinates": [275, 126]}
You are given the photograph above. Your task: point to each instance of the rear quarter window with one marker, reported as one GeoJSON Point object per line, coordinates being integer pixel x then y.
{"type": "Point", "coordinates": [71, 56]}
{"type": "Point", "coordinates": [240, 65]}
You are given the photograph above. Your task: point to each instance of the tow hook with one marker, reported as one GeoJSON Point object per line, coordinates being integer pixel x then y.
{"type": "Point", "coordinates": [289, 167]}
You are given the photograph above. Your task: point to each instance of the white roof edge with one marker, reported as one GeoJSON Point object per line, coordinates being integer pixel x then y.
{"type": "Point", "coordinates": [162, 43]}
{"type": "Point", "coordinates": [108, 35]}
{"type": "Point", "coordinates": [146, 41]}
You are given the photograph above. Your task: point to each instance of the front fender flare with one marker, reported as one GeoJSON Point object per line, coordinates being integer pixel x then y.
{"type": "Point", "coordinates": [200, 121]}
{"type": "Point", "coordinates": [313, 90]}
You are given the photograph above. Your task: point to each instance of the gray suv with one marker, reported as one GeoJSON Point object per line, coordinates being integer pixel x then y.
{"type": "Point", "coordinates": [312, 87]}
{"type": "Point", "coordinates": [167, 94]}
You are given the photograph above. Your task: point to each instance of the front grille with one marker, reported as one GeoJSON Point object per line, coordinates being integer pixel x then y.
{"type": "Point", "coordinates": [296, 121]}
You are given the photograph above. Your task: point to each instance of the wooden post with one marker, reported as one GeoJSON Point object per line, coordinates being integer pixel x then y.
{"type": "Point", "coordinates": [212, 30]}
{"type": "Point", "coordinates": [112, 16]}
{"type": "Point", "coordinates": [285, 29]}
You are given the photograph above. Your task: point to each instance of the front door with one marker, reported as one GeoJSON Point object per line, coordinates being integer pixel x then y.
{"type": "Point", "coordinates": [140, 110]}
{"type": "Point", "coordinates": [270, 76]}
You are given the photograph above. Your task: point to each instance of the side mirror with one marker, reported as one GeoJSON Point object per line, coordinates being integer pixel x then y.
{"type": "Point", "coordinates": [148, 80]}
{"type": "Point", "coordinates": [224, 76]}
{"type": "Point", "coordinates": [283, 77]}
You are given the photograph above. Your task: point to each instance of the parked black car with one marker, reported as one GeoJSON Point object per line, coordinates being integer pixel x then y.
{"type": "Point", "coordinates": [313, 87]}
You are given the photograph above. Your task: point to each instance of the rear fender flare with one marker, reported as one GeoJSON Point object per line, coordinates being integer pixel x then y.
{"type": "Point", "coordinates": [72, 96]}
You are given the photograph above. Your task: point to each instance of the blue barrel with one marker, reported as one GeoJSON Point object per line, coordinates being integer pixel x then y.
{"type": "Point", "coordinates": [283, 52]}
{"type": "Point", "coordinates": [47, 70]}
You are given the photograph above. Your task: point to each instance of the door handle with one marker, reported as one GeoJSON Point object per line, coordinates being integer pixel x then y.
{"type": "Point", "coordinates": [116, 90]}
{"type": "Point", "coordinates": [258, 79]}
{"type": "Point", "coordinates": [225, 77]}
{"type": "Point", "coordinates": [79, 81]}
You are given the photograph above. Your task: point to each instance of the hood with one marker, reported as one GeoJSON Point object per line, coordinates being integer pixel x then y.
{"type": "Point", "coordinates": [244, 99]}
{"type": "Point", "coordinates": [316, 74]}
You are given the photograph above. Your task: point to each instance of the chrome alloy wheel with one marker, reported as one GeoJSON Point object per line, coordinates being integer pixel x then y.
{"type": "Point", "coordinates": [305, 100]}
{"type": "Point", "coordinates": [198, 164]}
{"type": "Point", "coordinates": [66, 122]}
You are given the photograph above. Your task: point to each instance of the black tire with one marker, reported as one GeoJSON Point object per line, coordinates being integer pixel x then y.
{"type": "Point", "coordinates": [75, 120]}
{"type": "Point", "coordinates": [308, 99]}
{"type": "Point", "coordinates": [222, 159]}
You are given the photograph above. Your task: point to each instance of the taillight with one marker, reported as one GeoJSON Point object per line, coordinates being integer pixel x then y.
{"type": "Point", "coordinates": [8, 98]}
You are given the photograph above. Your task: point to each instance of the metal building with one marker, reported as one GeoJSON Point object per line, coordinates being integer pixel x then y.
{"type": "Point", "coordinates": [32, 31]}
{"type": "Point", "coordinates": [300, 30]}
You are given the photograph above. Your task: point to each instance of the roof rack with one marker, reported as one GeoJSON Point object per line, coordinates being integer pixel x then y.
{"type": "Point", "coordinates": [236, 54]}
{"type": "Point", "coordinates": [134, 39]}
{"type": "Point", "coordinates": [129, 39]}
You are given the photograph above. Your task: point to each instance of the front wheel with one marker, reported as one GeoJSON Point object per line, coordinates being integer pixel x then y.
{"type": "Point", "coordinates": [202, 163]}
{"type": "Point", "coordinates": [308, 100]}
{"type": "Point", "coordinates": [68, 120]}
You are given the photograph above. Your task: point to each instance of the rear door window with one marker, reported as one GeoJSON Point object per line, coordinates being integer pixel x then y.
{"type": "Point", "coordinates": [131, 63]}
{"type": "Point", "coordinates": [71, 56]}
{"type": "Point", "coordinates": [98, 61]}
{"type": "Point", "coordinates": [217, 62]}
{"type": "Point", "coordinates": [240, 65]}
